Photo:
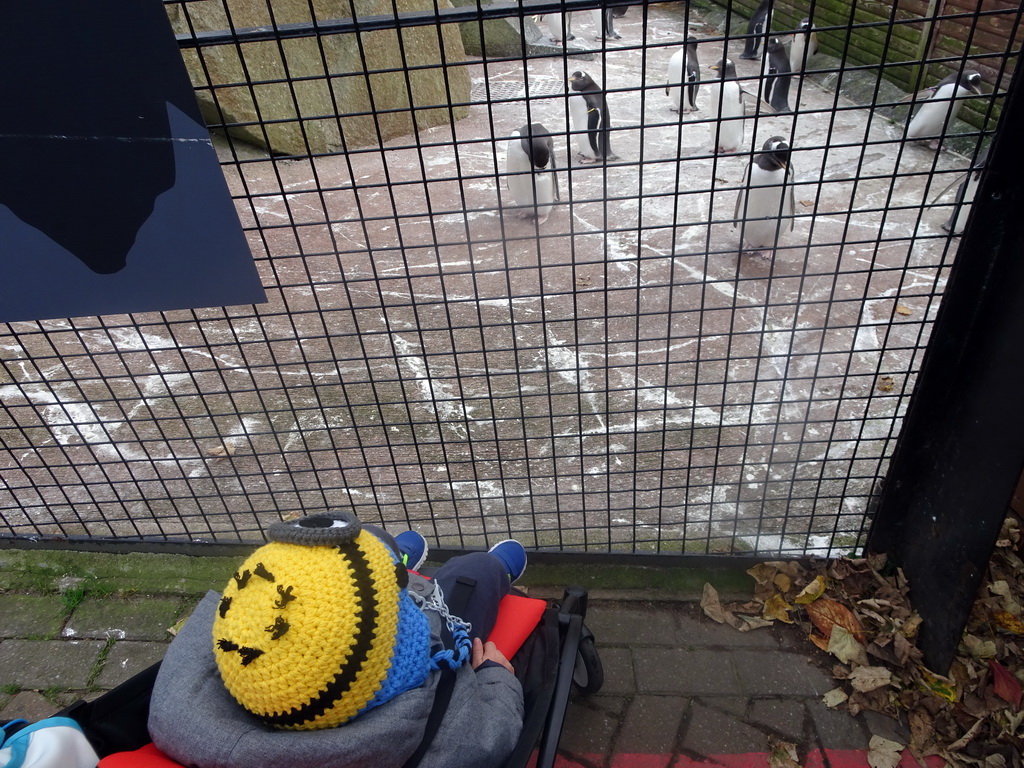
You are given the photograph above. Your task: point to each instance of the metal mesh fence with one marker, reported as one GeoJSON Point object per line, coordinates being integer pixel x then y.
{"type": "Point", "coordinates": [618, 377]}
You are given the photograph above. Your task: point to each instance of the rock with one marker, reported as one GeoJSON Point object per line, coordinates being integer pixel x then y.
{"type": "Point", "coordinates": [276, 94]}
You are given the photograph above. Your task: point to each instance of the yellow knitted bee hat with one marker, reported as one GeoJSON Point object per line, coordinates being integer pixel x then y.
{"type": "Point", "coordinates": [317, 626]}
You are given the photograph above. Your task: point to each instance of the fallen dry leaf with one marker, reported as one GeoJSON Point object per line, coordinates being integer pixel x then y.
{"type": "Point", "coordinates": [782, 754]}
{"type": "Point", "coordinates": [886, 384]}
{"type": "Point", "coordinates": [776, 607]}
{"type": "Point", "coordinates": [812, 591]}
{"type": "Point", "coordinates": [1005, 685]}
{"type": "Point", "coordinates": [712, 606]}
{"type": "Point", "coordinates": [903, 309]}
{"type": "Point", "coordinates": [1009, 622]}
{"type": "Point", "coordinates": [939, 685]}
{"type": "Point", "coordinates": [826, 614]}
{"type": "Point", "coordinates": [866, 679]}
{"type": "Point", "coordinates": [883, 753]}
{"type": "Point", "coordinates": [844, 646]}
{"type": "Point", "coordinates": [964, 740]}
{"type": "Point", "coordinates": [978, 648]}
{"type": "Point", "coordinates": [834, 698]}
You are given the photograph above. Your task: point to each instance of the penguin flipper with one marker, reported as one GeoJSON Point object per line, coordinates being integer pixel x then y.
{"type": "Point", "coordinates": [921, 95]}
{"type": "Point", "coordinates": [790, 197]}
{"type": "Point", "coordinates": [750, 98]}
{"type": "Point", "coordinates": [956, 181]}
{"type": "Point", "coordinates": [741, 196]}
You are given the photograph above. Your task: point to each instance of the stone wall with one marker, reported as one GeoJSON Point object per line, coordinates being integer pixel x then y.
{"type": "Point", "coordinates": [278, 94]}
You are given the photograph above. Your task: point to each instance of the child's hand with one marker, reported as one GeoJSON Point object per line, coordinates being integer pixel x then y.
{"type": "Point", "coordinates": [488, 652]}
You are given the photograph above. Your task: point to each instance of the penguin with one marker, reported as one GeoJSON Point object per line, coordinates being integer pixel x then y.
{"type": "Point", "coordinates": [965, 195]}
{"type": "Point", "coordinates": [757, 28]}
{"type": "Point", "coordinates": [604, 23]}
{"type": "Point", "coordinates": [530, 162]}
{"type": "Point", "coordinates": [728, 107]}
{"type": "Point", "coordinates": [684, 67]}
{"type": "Point", "coordinates": [591, 119]}
{"type": "Point", "coordinates": [765, 199]}
{"type": "Point", "coordinates": [805, 46]}
{"type": "Point", "coordinates": [941, 107]}
{"type": "Point", "coordinates": [776, 76]}
{"type": "Point", "coordinates": [560, 26]}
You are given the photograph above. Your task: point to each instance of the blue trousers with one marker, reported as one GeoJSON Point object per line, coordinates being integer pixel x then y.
{"type": "Point", "coordinates": [492, 584]}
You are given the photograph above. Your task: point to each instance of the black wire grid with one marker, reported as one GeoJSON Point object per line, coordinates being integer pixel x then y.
{"type": "Point", "coordinates": [618, 378]}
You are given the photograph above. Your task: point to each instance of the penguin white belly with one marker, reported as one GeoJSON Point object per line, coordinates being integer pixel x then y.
{"type": "Point", "coordinates": [578, 113]}
{"type": "Point", "coordinates": [796, 54]}
{"type": "Point", "coordinates": [559, 25]}
{"type": "Point", "coordinates": [676, 77]}
{"type": "Point", "coordinates": [931, 117]}
{"type": "Point", "coordinates": [964, 209]}
{"type": "Point", "coordinates": [764, 205]}
{"type": "Point", "coordinates": [520, 170]}
{"type": "Point", "coordinates": [730, 132]}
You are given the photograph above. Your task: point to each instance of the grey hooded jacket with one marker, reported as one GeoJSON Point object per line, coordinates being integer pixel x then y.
{"type": "Point", "coordinates": [194, 720]}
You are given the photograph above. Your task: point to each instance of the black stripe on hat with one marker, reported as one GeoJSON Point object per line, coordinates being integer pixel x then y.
{"type": "Point", "coordinates": [366, 626]}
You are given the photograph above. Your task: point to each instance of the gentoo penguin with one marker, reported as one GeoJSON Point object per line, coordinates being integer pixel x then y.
{"type": "Point", "coordinates": [805, 46]}
{"type": "Point", "coordinates": [560, 26]}
{"type": "Point", "coordinates": [727, 107]}
{"type": "Point", "coordinates": [530, 163]}
{"type": "Point", "coordinates": [590, 118]}
{"type": "Point", "coordinates": [965, 195]}
{"type": "Point", "coordinates": [604, 23]}
{"type": "Point", "coordinates": [683, 67]}
{"type": "Point", "coordinates": [766, 198]}
{"type": "Point", "coordinates": [776, 76]}
{"type": "Point", "coordinates": [757, 28]}
{"type": "Point", "coordinates": [941, 107]}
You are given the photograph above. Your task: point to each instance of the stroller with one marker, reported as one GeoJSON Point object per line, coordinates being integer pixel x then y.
{"type": "Point", "coordinates": [557, 657]}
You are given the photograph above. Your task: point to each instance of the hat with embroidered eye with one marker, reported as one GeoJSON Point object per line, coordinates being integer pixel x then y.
{"type": "Point", "coordinates": [317, 626]}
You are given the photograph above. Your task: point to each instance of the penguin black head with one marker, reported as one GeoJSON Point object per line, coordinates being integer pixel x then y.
{"type": "Point", "coordinates": [775, 153]}
{"type": "Point", "coordinates": [581, 81]}
{"type": "Point", "coordinates": [971, 81]}
{"type": "Point", "coordinates": [805, 23]}
{"type": "Point", "coordinates": [775, 44]}
{"type": "Point", "coordinates": [537, 144]}
{"type": "Point", "coordinates": [725, 68]}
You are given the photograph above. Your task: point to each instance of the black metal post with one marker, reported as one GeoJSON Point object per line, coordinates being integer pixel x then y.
{"type": "Point", "coordinates": [961, 451]}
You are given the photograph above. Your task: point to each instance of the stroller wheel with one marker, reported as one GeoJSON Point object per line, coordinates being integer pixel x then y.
{"type": "Point", "coordinates": [588, 674]}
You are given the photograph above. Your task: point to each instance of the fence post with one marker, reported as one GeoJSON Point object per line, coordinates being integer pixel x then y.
{"type": "Point", "coordinates": [961, 450]}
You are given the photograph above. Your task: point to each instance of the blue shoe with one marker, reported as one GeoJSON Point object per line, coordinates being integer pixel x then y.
{"type": "Point", "coordinates": [513, 555]}
{"type": "Point", "coordinates": [413, 547]}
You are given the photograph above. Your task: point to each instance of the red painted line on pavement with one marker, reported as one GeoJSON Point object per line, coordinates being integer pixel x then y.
{"type": "Point", "coordinates": [829, 758]}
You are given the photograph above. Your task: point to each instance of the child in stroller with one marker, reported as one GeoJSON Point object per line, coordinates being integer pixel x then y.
{"type": "Point", "coordinates": [415, 684]}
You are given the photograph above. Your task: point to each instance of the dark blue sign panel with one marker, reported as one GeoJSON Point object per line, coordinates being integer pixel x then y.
{"type": "Point", "coordinates": [112, 199]}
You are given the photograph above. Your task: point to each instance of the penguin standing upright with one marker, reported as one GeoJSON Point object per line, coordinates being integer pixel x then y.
{"type": "Point", "coordinates": [560, 26]}
{"type": "Point", "coordinates": [591, 119]}
{"type": "Point", "coordinates": [776, 76]}
{"type": "Point", "coordinates": [604, 23]}
{"type": "Point", "coordinates": [766, 198]}
{"type": "Point", "coordinates": [758, 26]}
{"type": "Point", "coordinates": [941, 107]}
{"type": "Point", "coordinates": [965, 195]}
{"type": "Point", "coordinates": [683, 67]}
{"type": "Point", "coordinates": [805, 46]}
{"type": "Point", "coordinates": [530, 163]}
{"type": "Point", "coordinates": [727, 107]}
